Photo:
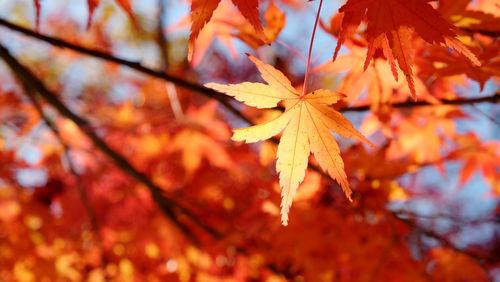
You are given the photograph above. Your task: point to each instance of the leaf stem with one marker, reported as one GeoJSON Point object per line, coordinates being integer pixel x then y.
{"type": "Point", "coordinates": [306, 75]}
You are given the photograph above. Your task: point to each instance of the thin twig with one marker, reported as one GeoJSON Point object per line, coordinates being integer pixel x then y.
{"type": "Point", "coordinates": [445, 242]}
{"type": "Point", "coordinates": [161, 37]}
{"type": "Point", "coordinates": [309, 53]}
{"type": "Point", "coordinates": [162, 45]}
{"type": "Point", "coordinates": [456, 220]}
{"type": "Point", "coordinates": [481, 260]}
{"type": "Point", "coordinates": [173, 97]}
{"type": "Point", "coordinates": [486, 115]}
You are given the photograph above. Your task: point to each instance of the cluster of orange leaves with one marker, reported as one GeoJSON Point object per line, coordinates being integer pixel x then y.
{"type": "Point", "coordinates": [390, 24]}
{"type": "Point", "coordinates": [46, 232]}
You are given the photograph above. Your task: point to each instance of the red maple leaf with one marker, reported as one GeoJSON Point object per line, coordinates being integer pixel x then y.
{"type": "Point", "coordinates": [390, 26]}
{"type": "Point", "coordinates": [202, 11]}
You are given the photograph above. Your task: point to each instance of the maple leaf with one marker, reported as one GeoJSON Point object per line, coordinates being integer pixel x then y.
{"type": "Point", "coordinates": [376, 79]}
{"type": "Point", "coordinates": [441, 63]}
{"type": "Point", "coordinates": [127, 7]}
{"type": "Point", "coordinates": [194, 146]}
{"type": "Point", "coordinates": [92, 4]}
{"type": "Point", "coordinates": [225, 29]}
{"type": "Point", "coordinates": [125, 4]}
{"type": "Point", "coordinates": [478, 156]}
{"type": "Point", "coordinates": [199, 139]}
{"type": "Point", "coordinates": [274, 21]}
{"type": "Point", "coordinates": [202, 11]}
{"type": "Point", "coordinates": [390, 26]}
{"type": "Point", "coordinates": [479, 16]}
{"type": "Point", "coordinates": [306, 124]}
{"type": "Point", "coordinates": [218, 28]}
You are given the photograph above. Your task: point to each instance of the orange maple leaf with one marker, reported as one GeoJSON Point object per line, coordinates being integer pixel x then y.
{"type": "Point", "coordinates": [202, 11]}
{"type": "Point", "coordinates": [92, 4]}
{"type": "Point", "coordinates": [125, 4]}
{"type": "Point", "coordinates": [441, 63]}
{"type": "Point", "coordinates": [307, 124]}
{"type": "Point", "coordinates": [200, 139]}
{"type": "Point", "coordinates": [274, 21]}
{"type": "Point", "coordinates": [376, 79]}
{"type": "Point", "coordinates": [219, 28]}
{"type": "Point", "coordinates": [478, 156]}
{"type": "Point", "coordinates": [390, 27]}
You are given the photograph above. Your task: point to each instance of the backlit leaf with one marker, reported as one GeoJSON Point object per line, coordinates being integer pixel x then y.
{"type": "Point", "coordinates": [390, 26]}
{"type": "Point", "coordinates": [202, 11]}
{"type": "Point", "coordinates": [306, 124]}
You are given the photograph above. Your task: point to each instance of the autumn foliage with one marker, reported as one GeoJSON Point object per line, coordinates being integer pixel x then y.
{"type": "Point", "coordinates": [259, 140]}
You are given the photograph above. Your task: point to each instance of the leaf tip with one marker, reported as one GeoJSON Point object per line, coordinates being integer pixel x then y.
{"type": "Point", "coordinates": [349, 197]}
{"type": "Point", "coordinates": [348, 194]}
{"type": "Point", "coordinates": [411, 85]}
{"type": "Point", "coordinates": [235, 137]}
{"type": "Point", "coordinates": [190, 51]}
{"type": "Point", "coordinates": [238, 136]}
{"type": "Point", "coordinates": [284, 218]}
{"type": "Point", "coordinates": [342, 94]}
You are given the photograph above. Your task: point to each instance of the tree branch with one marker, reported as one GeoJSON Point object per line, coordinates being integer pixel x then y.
{"type": "Point", "coordinates": [494, 99]}
{"type": "Point", "coordinates": [221, 98]}
{"type": "Point", "coordinates": [490, 33]}
{"type": "Point", "coordinates": [167, 203]}
{"type": "Point", "coordinates": [403, 213]}
{"type": "Point", "coordinates": [442, 240]}
{"type": "Point", "coordinates": [169, 207]}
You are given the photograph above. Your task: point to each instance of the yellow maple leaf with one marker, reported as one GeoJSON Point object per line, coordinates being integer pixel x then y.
{"type": "Point", "coordinates": [306, 123]}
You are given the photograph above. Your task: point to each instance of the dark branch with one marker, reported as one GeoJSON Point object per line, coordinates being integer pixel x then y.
{"type": "Point", "coordinates": [495, 98]}
{"type": "Point", "coordinates": [490, 33]}
{"type": "Point", "coordinates": [168, 206]}
{"type": "Point", "coordinates": [479, 257]}
{"type": "Point", "coordinates": [454, 219]}
{"type": "Point", "coordinates": [223, 99]}
{"type": "Point", "coordinates": [204, 90]}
